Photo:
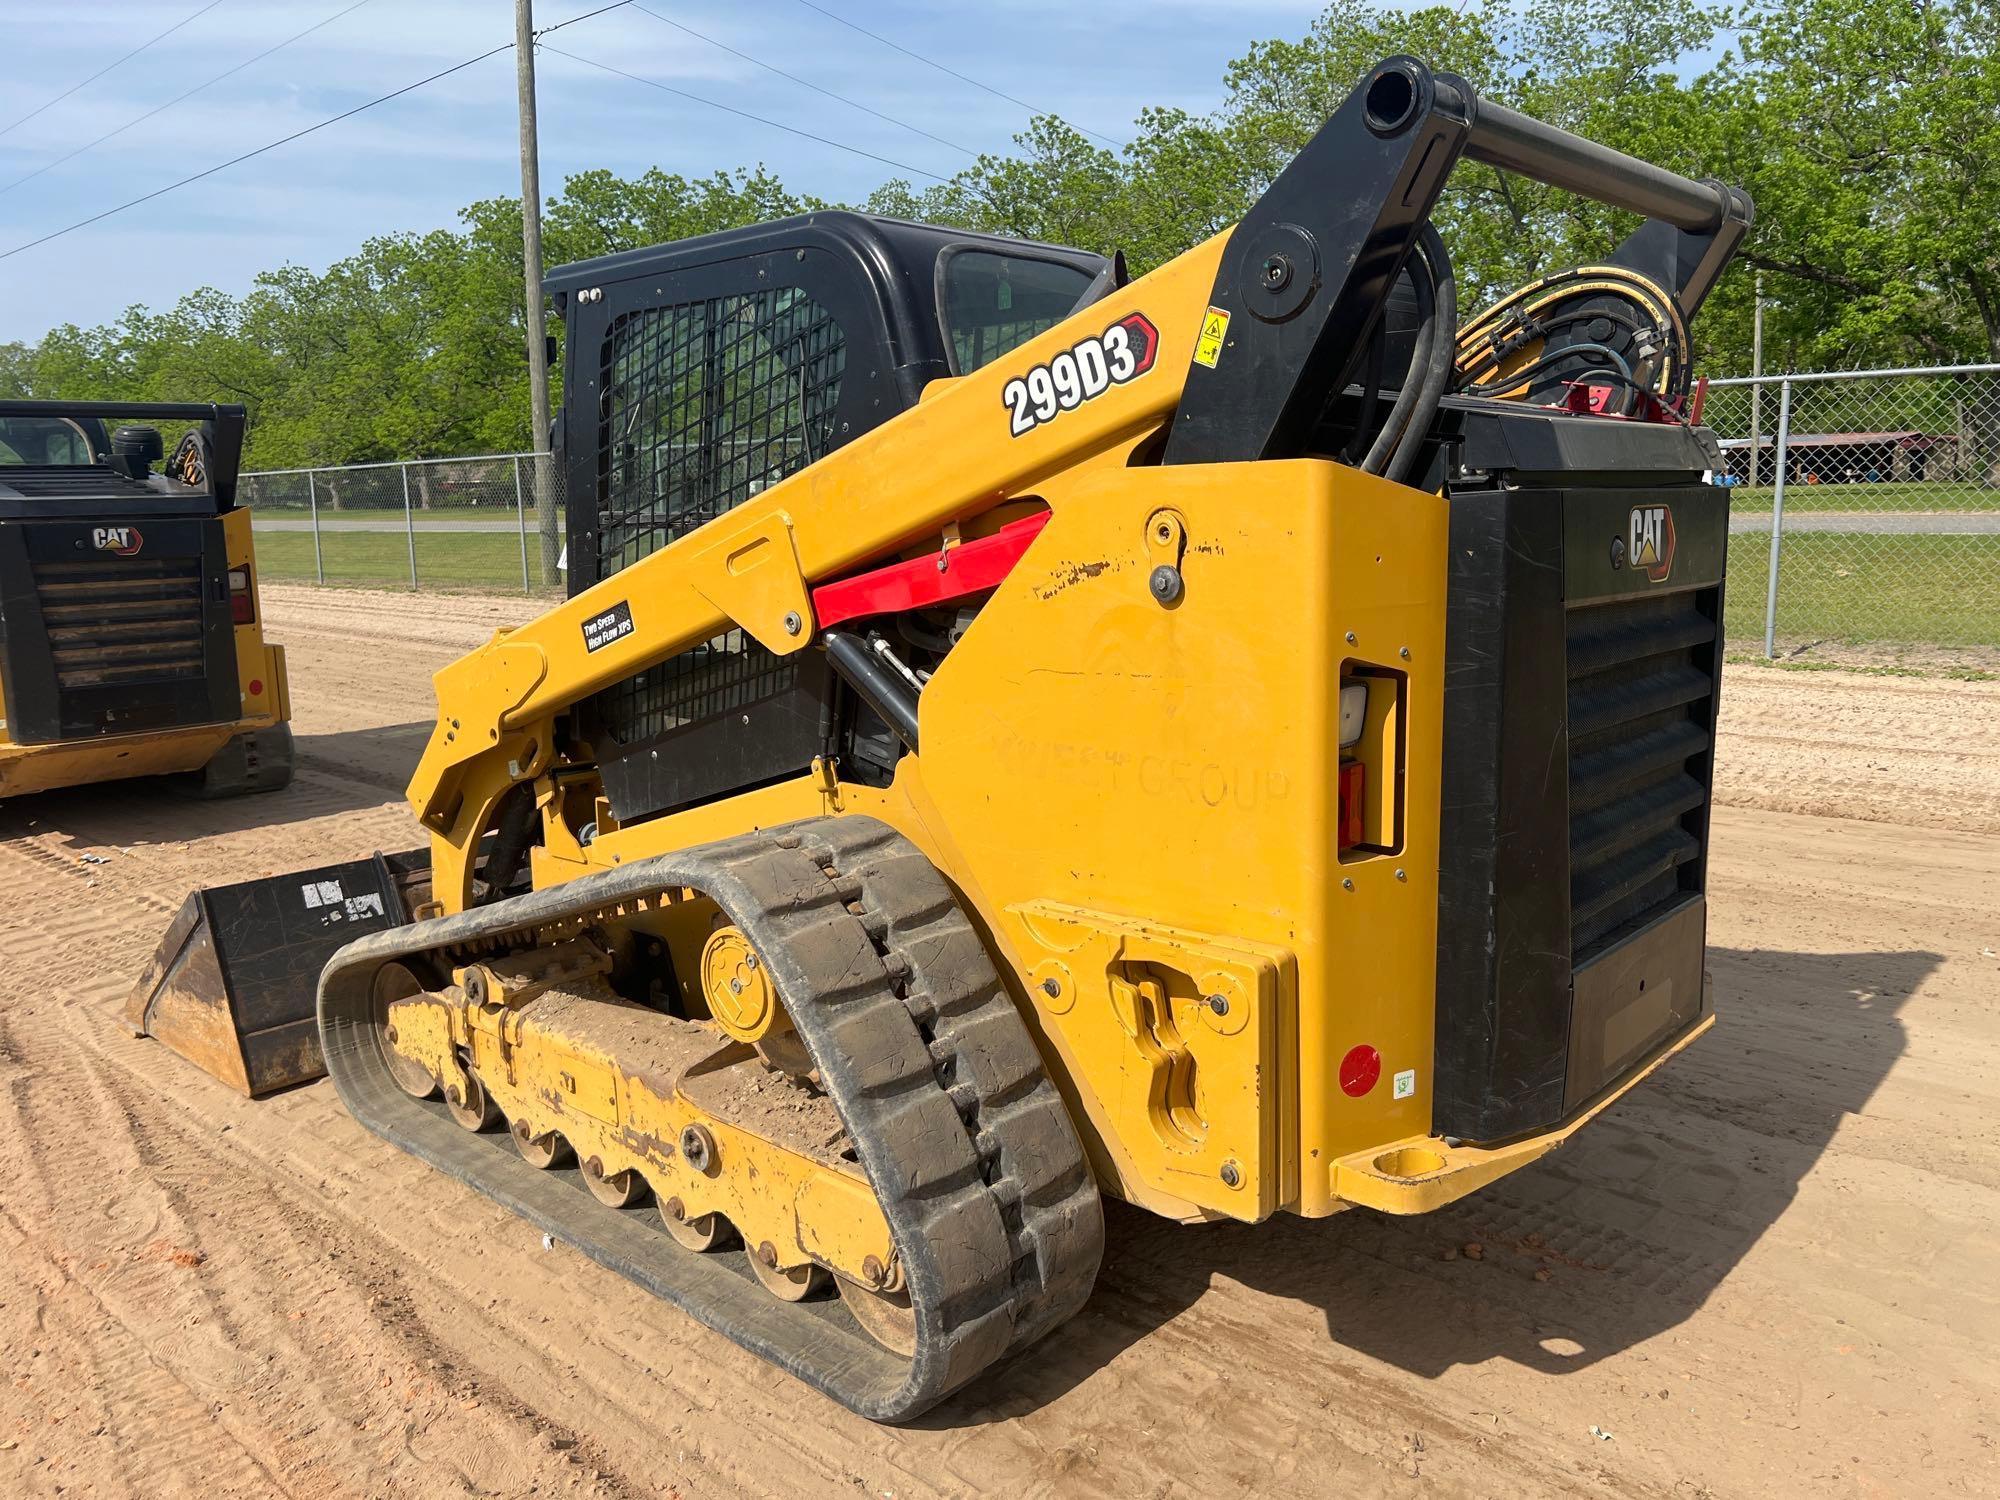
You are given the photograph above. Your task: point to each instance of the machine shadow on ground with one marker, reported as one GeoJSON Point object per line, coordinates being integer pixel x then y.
{"type": "Point", "coordinates": [337, 773]}
{"type": "Point", "coordinates": [377, 759]}
{"type": "Point", "coordinates": [1637, 1223]}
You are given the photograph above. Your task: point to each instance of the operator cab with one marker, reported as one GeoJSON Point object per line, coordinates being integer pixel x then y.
{"type": "Point", "coordinates": [700, 373]}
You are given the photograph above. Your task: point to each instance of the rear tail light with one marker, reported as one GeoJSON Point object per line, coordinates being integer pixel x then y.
{"type": "Point", "coordinates": [242, 603]}
{"type": "Point", "coordinates": [1353, 787]}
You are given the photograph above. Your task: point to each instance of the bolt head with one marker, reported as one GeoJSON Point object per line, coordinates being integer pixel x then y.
{"type": "Point", "coordinates": [1232, 1175]}
{"type": "Point", "coordinates": [1404, 653]}
{"type": "Point", "coordinates": [1166, 584]}
{"type": "Point", "coordinates": [1276, 272]}
{"type": "Point", "coordinates": [1219, 1004]}
{"type": "Point", "coordinates": [1347, 884]}
{"type": "Point", "coordinates": [768, 1254]}
{"type": "Point", "coordinates": [675, 1210]}
{"type": "Point", "coordinates": [873, 1271]}
{"type": "Point", "coordinates": [1351, 638]}
{"type": "Point", "coordinates": [793, 624]}
{"type": "Point", "coordinates": [1052, 988]}
{"type": "Point", "coordinates": [1402, 874]}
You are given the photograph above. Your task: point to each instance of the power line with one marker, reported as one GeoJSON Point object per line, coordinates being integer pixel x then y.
{"type": "Point", "coordinates": [887, 161]}
{"type": "Point", "coordinates": [809, 84]}
{"type": "Point", "coordinates": [259, 151]}
{"type": "Point", "coordinates": [109, 66]}
{"type": "Point", "coordinates": [178, 98]}
{"type": "Point", "coordinates": [601, 10]}
{"type": "Point", "coordinates": [931, 62]}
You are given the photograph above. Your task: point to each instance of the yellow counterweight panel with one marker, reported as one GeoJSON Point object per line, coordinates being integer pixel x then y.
{"type": "Point", "coordinates": [260, 669]}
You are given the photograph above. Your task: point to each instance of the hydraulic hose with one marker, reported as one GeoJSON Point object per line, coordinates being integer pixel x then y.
{"type": "Point", "coordinates": [1393, 424]}
{"type": "Point", "coordinates": [1439, 356]}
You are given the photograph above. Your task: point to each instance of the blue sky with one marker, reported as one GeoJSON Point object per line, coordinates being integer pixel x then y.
{"type": "Point", "coordinates": [411, 163]}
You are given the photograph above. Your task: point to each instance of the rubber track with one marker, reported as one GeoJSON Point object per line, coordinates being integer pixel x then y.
{"type": "Point", "coordinates": [967, 1144]}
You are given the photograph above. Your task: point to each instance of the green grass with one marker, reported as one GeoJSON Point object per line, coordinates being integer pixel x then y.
{"type": "Point", "coordinates": [464, 560]}
{"type": "Point", "coordinates": [1833, 586]}
{"type": "Point", "coordinates": [1957, 674]}
{"type": "Point", "coordinates": [437, 520]}
{"type": "Point", "coordinates": [1842, 586]}
{"type": "Point", "coordinates": [1901, 496]}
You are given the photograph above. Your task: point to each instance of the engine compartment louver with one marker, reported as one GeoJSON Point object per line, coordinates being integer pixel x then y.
{"type": "Point", "coordinates": [1640, 702]}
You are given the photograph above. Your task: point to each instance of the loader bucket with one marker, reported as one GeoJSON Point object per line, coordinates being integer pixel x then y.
{"type": "Point", "coordinates": [233, 984]}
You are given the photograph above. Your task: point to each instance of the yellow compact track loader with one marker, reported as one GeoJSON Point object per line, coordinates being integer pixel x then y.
{"type": "Point", "coordinates": [1224, 739]}
{"type": "Point", "coordinates": [130, 640]}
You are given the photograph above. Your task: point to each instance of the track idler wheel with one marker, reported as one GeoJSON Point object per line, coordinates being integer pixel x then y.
{"type": "Point", "coordinates": [885, 1317]}
{"type": "Point", "coordinates": [394, 982]}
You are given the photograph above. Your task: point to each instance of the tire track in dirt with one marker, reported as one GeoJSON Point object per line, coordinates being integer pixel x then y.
{"type": "Point", "coordinates": [1780, 1242]}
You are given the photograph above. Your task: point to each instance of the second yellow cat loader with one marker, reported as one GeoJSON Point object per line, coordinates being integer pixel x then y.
{"type": "Point", "coordinates": [1228, 739]}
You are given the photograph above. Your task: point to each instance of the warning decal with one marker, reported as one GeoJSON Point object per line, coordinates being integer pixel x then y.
{"type": "Point", "coordinates": [614, 624]}
{"type": "Point", "coordinates": [1208, 346]}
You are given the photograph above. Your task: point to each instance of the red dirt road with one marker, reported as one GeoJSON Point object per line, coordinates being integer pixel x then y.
{"type": "Point", "coordinates": [1771, 1271]}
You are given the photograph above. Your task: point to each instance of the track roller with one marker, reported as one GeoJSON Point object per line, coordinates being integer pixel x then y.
{"type": "Point", "coordinates": [541, 1152]}
{"type": "Point", "coordinates": [466, 1098]}
{"type": "Point", "coordinates": [701, 1233]}
{"type": "Point", "coordinates": [613, 1189]}
{"type": "Point", "coordinates": [792, 1284]}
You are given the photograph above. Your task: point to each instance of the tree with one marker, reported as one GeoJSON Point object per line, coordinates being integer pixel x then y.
{"type": "Point", "coordinates": [1868, 132]}
{"type": "Point", "coordinates": [1870, 136]}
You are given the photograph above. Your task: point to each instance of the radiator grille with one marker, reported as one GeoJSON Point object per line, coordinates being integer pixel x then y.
{"type": "Point", "coordinates": [93, 482]}
{"type": "Point", "coordinates": [706, 404]}
{"type": "Point", "coordinates": [129, 621]}
{"type": "Point", "coordinates": [1641, 706]}
{"type": "Point", "coordinates": [730, 672]}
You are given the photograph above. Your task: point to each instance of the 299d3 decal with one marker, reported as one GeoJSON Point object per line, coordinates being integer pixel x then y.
{"type": "Point", "coordinates": [1123, 352]}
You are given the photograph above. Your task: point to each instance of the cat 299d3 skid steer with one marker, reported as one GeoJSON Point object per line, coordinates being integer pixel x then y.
{"type": "Point", "coordinates": [1229, 740]}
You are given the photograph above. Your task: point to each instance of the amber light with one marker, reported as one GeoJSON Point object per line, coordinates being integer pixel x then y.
{"type": "Point", "coordinates": [1353, 783]}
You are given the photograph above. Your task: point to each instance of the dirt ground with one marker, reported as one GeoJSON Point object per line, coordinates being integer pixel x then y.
{"type": "Point", "coordinates": [1772, 1271]}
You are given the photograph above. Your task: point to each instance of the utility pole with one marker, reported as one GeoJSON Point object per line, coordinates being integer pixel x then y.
{"type": "Point", "coordinates": [1757, 387]}
{"type": "Point", "coordinates": [531, 270]}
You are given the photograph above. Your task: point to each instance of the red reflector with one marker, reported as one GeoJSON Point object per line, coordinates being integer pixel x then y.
{"type": "Point", "coordinates": [1360, 1070]}
{"type": "Point", "coordinates": [1353, 780]}
{"type": "Point", "coordinates": [256, 687]}
{"type": "Point", "coordinates": [241, 610]}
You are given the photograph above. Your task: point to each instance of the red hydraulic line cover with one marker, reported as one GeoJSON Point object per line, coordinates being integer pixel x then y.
{"type": "Point", "coordinates": [969, 568]}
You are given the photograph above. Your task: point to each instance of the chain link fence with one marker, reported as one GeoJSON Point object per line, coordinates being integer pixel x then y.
{"type": "Point", "coordinates": [490, 523]}
{"type": "Point", "coordinates": [1865, 515]}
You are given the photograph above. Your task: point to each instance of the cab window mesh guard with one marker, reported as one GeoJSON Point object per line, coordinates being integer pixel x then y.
{"type": "Point", "coordinates": [706, 404]}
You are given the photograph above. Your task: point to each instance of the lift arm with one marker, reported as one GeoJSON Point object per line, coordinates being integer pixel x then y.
{"type": "Point", "coordinates": [1301, 283]}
